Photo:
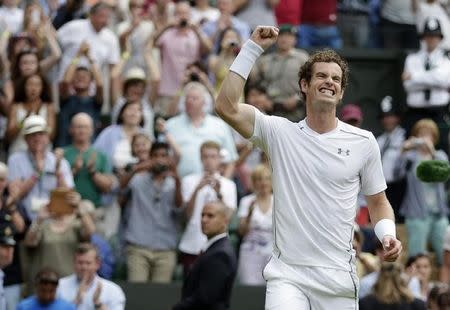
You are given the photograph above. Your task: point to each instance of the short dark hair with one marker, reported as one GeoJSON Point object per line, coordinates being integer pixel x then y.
{"type": "Point", "coordinates": [326, 55]}
{"type": "Point", "coordinates": [15, 72]}
{"type": "Point", "coordinates": [20, 95]}
{"type": "Point", "coordinates": [46, 276]}
{"type": "Point", "coordinates": [158, 146]}
{"type": "Point", "coordinates": [86, 247]}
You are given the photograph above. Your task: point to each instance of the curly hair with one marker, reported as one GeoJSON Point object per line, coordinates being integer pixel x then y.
{"type": "Point", "coordinates": [325, 55]}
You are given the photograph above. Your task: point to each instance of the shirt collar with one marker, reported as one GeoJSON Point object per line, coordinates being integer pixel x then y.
{"type": "Point", "coordinates": [214, 239]}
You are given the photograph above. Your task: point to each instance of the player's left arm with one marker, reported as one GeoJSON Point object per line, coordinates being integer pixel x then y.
{"type": "Point", "coordinates": [382, 215]}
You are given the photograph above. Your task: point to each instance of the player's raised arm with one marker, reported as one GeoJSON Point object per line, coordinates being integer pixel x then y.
{"type": "Point", "coordinates": [241, 116]}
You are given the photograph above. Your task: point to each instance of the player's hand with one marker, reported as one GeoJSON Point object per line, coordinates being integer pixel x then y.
{"type": "Point", "coordinates": [265, 36]}
{"type": "Point", "coordinates": [392, 248]}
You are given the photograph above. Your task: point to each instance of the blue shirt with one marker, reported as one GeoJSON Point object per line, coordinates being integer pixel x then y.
{"type": "Point", "coordinates": [31, 303]}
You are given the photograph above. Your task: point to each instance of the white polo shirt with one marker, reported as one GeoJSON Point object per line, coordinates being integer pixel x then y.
{"type": "Point", "coordinates": [104, 45]}
{"type": "Point", "coordinates": [111, 295]}
{"type": "Point", "coordinates": [193, 240]}
{"type": "Point", "coordinates": [316, 180]}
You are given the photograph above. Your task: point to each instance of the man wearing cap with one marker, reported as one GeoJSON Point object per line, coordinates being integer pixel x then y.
{"type": "Point", "coordinates": [277, 72]}
{"type": "Point", "coordinates": [37, 171]}
{"type": "Point", "coordinates": [390, 142]}
{"type": "Point", "coordinates": [426, 78]}
{"type": "Point", "coordinates": [7, 243]}
{"type": "Point", "coordinates": [351, 114]}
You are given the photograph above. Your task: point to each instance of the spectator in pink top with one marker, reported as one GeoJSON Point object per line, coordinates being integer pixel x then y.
{"type": "Point", "coordinates": [181, 43]}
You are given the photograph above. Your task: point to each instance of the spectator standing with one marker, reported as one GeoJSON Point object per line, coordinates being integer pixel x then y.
{"type": "Point", "coordinates": [193, 127]}
{"type": "Point", "coordinates": [103, 43]}
{"type": "Point", "coordinates": [180, 44]}
{"type": "Point", "coordinates": [75, 95]}
{"type": "Point", "coordinates": [425, 205]}
{"type": "Point", "coordinates": [318, 28]}
{"type": "Point", "coordinates": [46, 282]}
{"type": "Point", "coordinates": [85, 288]}
{"type": "Point", "coordinates": [32, 98]}
{"type": "Point", "coordinates": [209, 284]}
{"type": "Point", "coordinates": [203, 12]}
{"type": "Point", "coordinates": [257, 12]}
{"type": "Point", "coordinates": [277, 72]}
{"type": "Point", "coordinates": [398, 27]}
{"type": "Point", "coordinates": [353, 22]}
{"type": "Point", "coordinates": [53, 238]}
{"type": "Point", "coordinates": [199, 189]}
{"type": "Point", "coordinates": [426, 79]}
{"type": "Point", "coordinates": [90, 168]}
{"type": "Point", "coordinates": [68, 11]}
{"type": "Point", "coordinates": [37, 171]}
{"type": "Point", "coordinates": [152, 230]}
{"type": "Point", "coordinates": [289, 12]}
{"type": "Point", "coordinates": [11, 16]}
{"type": "Point", "coordinates": [391, 142]}
{"type": "Point", "coordinates": [213, 29]}
{"type": "Point", "coordinates": [255, 227]}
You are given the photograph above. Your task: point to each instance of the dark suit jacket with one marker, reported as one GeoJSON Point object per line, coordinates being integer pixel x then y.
{"type": "Point", "coordinates": [208, 286]}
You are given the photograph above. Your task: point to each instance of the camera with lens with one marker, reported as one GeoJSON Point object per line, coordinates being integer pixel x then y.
{"type": "Point", "coordinates": [194, 77]}
{"type": "Point", "coordinates": [160, 168]}
{"type": "Point", "coordinates": [183, 23]}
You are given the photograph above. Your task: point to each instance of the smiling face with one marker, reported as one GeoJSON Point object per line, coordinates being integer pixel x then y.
{"type": "Point", "coordinates": [325, 86]}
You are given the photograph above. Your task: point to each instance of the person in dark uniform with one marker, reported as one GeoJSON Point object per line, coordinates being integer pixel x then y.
{"type": "Point", "coordinates": [7, 244]}
{"type": "Point", "coordinates": [210, 281]}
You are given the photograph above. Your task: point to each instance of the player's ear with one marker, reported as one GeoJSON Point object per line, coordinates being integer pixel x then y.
{"type": "Point", "coordinates": [303, 85]}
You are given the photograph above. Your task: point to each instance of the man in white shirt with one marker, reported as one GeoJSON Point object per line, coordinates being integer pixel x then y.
{"type": "Point", "coordinates": [319, 165]}
{"type": "Point", "coordinates": [85, 288]}
{"type": "Point", "coordinates": [426, 79]}
{"type": "Point", "coordinates": [197, 190]}
{"type": "Point", "coordinates": [103, 43]}
{"type": "Point", "coordinates": [11, 16]}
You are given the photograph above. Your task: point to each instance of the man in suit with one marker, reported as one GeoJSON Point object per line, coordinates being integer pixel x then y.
{"type": "Point", "coordinates": [210, 281]}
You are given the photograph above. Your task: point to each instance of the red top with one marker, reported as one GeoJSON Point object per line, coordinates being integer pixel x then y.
{"type": "Point", "coordinates": [289, 12]}
{"type": "Point", "coordinates": [321, 12]}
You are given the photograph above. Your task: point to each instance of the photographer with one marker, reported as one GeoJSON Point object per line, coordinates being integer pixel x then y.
{"type": "Point", "coordinates": [425, 204]}
{"type": "Point", "coordinates": [181, 44]}
{"type": "Point", "coordinates": [152, 232]}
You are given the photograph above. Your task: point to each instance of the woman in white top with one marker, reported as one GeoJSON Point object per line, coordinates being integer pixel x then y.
{"type": "Point", "coordinates": [255, 228]}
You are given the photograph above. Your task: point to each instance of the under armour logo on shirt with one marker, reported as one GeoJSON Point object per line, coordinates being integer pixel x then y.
{"type": "Point", "coordinates": [343, 152]}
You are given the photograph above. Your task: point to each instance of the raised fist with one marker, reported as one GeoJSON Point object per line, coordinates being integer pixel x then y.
{"type": "Point", "coordinates": [265, 36]}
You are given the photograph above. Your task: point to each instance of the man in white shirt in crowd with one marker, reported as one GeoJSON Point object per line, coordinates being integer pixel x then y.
{"type": "Point", "coordinates": [11, 16]}
{"type": "Point", "coordinates": [85, 288]}
{"type": "Point", "coordinates": [197, 190]}
{"type": "Point", "coordinates": [426, 79]}
{"type": "Point", "coordinates": [319, 165]}
{"type": "Point", "coordinates": [102, 42]}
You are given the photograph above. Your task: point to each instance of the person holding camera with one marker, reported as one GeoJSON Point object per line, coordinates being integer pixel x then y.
{"type": "Point", "coordinates": [151, 234]}
{"type": "Point", "coordinates": [181, 43]}
{"type": "Point", "coordinates": [199, 189]}
{"type": "Point", "coordinates": [424, 205]}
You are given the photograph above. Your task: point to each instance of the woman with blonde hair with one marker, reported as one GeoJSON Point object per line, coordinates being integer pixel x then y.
{"type": "Point", "coordinates": [255, 228]}
{"type": "Point", "coordinates": [391, 292]}
{"type": "Point", "coordinates": [424, 205]}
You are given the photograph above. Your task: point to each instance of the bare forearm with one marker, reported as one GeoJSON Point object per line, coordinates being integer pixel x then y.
{"type": "Point", "coordinates": [191, 204]}
{"type": "Point", "coordinates": [380, 209]}
{"type": "Point", "coordinates": [229, 170]}
{"type": "Point", "coordinates": [178, 195]}
{"type": "Point", "coordinates": [102, 182]}
{"type": "Point", "coordinates": [229, 95]}
{"type": "Point", "coordinates": [87, 225]}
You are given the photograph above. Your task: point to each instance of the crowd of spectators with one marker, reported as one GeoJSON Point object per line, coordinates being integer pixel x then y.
{"type": "Point", "coordinates": [111, 148]}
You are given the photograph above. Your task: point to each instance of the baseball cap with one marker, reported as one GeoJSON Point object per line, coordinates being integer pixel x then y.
{"type": "Point", "coordinates": [351, 111]}
{"type": "Point", "coordinates": [387, 107]}
{"type": "Point", "coordinates": [135, 73]}
{"type": "Point", "coordinates": [7, 233]}
{"type": "Point", "coordinates": [33, 124]}
{"type": "Point", "coordinates": [287, 28]}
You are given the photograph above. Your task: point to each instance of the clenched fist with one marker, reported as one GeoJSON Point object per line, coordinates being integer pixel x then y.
{"type": "Point", "coordinates": [265, 36]}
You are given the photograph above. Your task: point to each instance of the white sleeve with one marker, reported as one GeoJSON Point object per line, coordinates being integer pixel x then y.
{"type": "Point", "coordinates": [244, 206]}
{"type": "Point", "coordinates": [264, 131]}
{"type": "Point", "coordinates": [187, 188]}
{"type": "Point", "coordinates": [372, 178]}
{"type": "Point", "coordinates": [67, 173]}
{"type": "Point", "coordinates": [438, 77]}
{"type": "Point", "coordinates": [229, 194]}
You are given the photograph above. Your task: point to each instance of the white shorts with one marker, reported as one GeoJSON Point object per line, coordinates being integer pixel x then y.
{"type": "Point", "coordinates": [303, 288]}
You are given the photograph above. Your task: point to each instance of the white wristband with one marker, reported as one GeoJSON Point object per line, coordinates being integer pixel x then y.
{"type": "Point", "coordinates": [246, 58]}
{"type": "Point", "coordinates": [385, 227]}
